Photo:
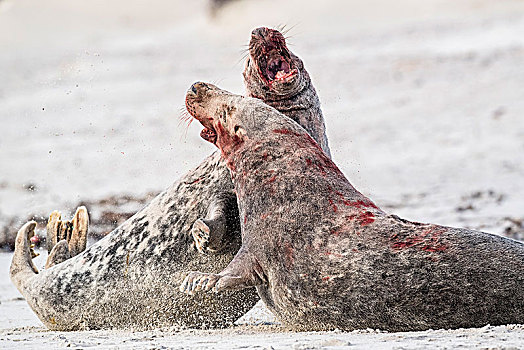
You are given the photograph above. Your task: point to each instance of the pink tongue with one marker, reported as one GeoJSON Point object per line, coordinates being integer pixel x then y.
{"type": "Point", "coordinates": [281, 75]}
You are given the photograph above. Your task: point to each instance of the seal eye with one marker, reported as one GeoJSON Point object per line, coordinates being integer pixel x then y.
{"type": "Point", "coordinates": [236, 128]}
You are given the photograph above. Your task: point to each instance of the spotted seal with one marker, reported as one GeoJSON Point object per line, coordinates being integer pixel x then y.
{"type": "Point", "coordinates": [323, 256]}
{"type": "Point", "coordinates": [127, 279]}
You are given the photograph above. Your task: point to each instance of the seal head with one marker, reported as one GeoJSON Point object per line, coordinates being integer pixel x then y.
{"type": "Point", "coordinates": [278, 77]}
{"type": "Point", "coordinates": [272, 71]}
{"type": "Point", "coordinates": [236, 119]}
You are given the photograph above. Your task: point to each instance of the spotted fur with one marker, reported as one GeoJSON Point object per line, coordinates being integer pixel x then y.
{"type": "Point", "coordinates": [127, 279]}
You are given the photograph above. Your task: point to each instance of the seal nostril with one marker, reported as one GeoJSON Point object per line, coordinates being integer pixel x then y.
{"type": "Point", "coordinates": [193, 88]}
{"type": "Point", "coordinates": [258, 32]}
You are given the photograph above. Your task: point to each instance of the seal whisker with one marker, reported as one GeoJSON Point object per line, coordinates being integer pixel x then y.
{"type": "Point", "coordinates": [217, 81]}
{"type": "Point", "coordinates": [186, 119]}
{"type": "Point", "coordinates": [285, 31]}
{"type": "Point", "coordinates": [240, 60]}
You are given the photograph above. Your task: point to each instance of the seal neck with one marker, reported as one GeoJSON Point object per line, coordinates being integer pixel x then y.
{"type": "Point", "coordinates": [302, 106]}
{"type": "Point", "coordinates": [283, 154]}
{"type": "Point", "coordinates": [284, 173]}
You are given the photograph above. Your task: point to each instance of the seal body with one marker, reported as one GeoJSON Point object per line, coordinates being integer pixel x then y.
{"type": "Point", "coordinates": [127, 279]}
{"type": "Point", "coordinates": [323, 256]}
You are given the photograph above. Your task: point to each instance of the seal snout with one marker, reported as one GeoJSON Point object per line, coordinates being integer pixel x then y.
{"type": "Point", "coordinates": [195, 104]}
{"type": "Point", "coordinates": [260, 32]}
{"type": "Point", "coordinates": [198, 88]}
{"type": "Point", "coordinates": [193, 88]}
{"type": "Point", "coordinates": [195, 95]}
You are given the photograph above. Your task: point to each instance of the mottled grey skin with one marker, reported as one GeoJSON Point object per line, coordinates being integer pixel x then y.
{"type": "Point", "coordinates": [323, 256]}
{"type": "Point", "coordinates": [129, 278]}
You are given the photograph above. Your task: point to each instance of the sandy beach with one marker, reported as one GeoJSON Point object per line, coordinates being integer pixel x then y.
{"type": "Point", "coordinates": [424, 106]}
{"type": "Point", "coordinates": [21, 329]}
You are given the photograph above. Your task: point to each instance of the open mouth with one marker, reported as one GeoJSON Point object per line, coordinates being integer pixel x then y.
{"type": "Point", "coordinates": [276, 67]}
{"type": "Point", "coordinates": [271, 56]}
{"type": "Point", "coordinates": [209, 135]}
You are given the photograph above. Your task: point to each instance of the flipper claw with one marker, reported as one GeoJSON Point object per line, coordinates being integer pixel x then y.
{"type": "Point", "coordinates": [196, 281]}
{"type": "Point", "coordinates": [200, 232]}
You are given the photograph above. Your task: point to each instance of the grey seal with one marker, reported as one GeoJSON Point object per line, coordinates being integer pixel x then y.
{"type": "Point", "coordinates": [323, 256]}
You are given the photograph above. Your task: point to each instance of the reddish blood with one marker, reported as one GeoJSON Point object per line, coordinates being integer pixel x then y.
{"type": "Point", "coordinates": [288, 250]}
{"type": "Point", "coordinates": [430, 239]}
{"type": "Point", "coordinates": [335, 208]}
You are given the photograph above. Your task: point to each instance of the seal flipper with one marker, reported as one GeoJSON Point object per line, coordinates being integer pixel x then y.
{"type": "Point", "coordinates": [73, 232]}
{"type": "Point", "coordinates": [212, 233]}
{"type": "Point", "coordinates": [59, 253]}
{"type": "Point", "coordinates": [242, 272]}
{"type": "Point", "coordinates": [52, 228]}
{"type": "Point", "coordinates": [22, 267]}
{"type": "Point", "coordinates": [78, 240]}
{"type": "Point", "coordinates": [201, 233]}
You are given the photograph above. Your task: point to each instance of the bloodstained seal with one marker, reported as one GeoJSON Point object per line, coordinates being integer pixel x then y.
{"type": "Point", "coordinates": [323, 256]}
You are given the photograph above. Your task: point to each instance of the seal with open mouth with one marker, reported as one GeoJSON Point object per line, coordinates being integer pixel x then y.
{"type": "Point", "coordinates": [127, 279]}
{"type": "Point", "coordinates": [323, 256]}
{"type": "Point", "coordinates": [278, 77]}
